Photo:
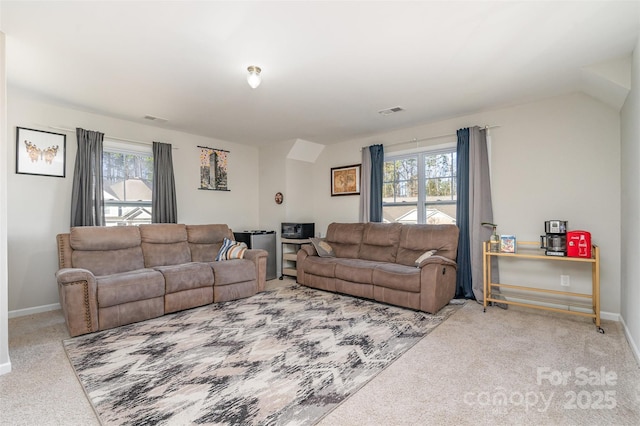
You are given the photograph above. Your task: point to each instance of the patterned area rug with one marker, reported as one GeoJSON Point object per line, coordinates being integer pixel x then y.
{"type": "Point", "coordinates": [285, 356]}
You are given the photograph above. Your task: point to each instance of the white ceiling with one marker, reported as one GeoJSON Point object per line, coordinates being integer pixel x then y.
{"type": "Point", "coordinates": [328, 67]}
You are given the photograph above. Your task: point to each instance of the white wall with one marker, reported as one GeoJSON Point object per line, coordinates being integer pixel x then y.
{"type": "Point", "coordinates": [5, 362]}
{"type": "Point", "coordinates": [39, 207]}
{"type": "Point", "coordinates": [554, 159]}
{"type": "Point", "coordinates": [293, 178]}
{"type": "Point", "coordinates": [630, 136]}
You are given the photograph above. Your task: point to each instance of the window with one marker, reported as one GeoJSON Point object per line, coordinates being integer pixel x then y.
{"type": "Point", "coordinates": [127, 178]}
{"type": "Point", "coordinates": [420, 187]}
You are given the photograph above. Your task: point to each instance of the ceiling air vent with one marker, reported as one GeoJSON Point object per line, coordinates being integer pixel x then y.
{"type": "Point", "coordinates": [156, 119]}
{"type": "Point", "coordinates": [390, 111]}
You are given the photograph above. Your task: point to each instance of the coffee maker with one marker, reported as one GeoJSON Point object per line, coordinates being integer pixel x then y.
{"type": "Point", "coordinates": [555, 241]}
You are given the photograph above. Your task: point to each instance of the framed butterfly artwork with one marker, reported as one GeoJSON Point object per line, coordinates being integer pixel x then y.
{"type": "Point", "coordinates": [40, 153]}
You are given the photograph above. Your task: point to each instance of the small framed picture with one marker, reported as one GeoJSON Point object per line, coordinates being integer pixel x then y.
{"type": "Point", "coordinates": [507, 243]}
{"type": "Point", "coordinates": [40, 153]}
{"type": "Point", "coordinates": [345, 180]}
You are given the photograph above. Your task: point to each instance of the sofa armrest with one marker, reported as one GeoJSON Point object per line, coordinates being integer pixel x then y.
{"type": "Point", "coordinates": [78, 292]}
{"type": "Point", "coordinates": [259, 258]}
{"type": "Point", "coordinates": [310, 249]}
{"type": "Point", "coordinates": [437, 260]}
{"type": "Point", "coordinates": [437, 283]}
{"type": "Point", "coordinates": [305, 251]}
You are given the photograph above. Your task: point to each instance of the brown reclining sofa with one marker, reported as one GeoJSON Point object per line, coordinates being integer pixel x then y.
{"type": "Point", "coordinates": [111, 276]}
{"type": "Point", "coordinates": [378, 261]}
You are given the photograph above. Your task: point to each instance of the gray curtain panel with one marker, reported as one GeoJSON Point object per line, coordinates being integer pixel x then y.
{"type": "Point", "coordinates": [365, 185]}
{"type": "Point", "coordinates": [87, 198]}
{"type": "Point", "coordinates": [473, 208]}
{"type": "Point", "coordinates": [480, 207]}
{"type": "Point", "coordinates": [164, 207]}
{"type": "Point", "coordinates": [377, 177]}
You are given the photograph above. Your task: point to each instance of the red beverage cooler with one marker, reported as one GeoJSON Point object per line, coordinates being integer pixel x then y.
{"type": "Point", "coordinates": [579, 244]}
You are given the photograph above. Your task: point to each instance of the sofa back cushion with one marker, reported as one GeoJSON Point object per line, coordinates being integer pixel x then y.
{"type": "Point", "coordinates": [380, 241]}
{"type": "Point", "coordinates": [417, 239]}
{"type": "Point", "coordinates": [345, 238]}
{"type": "Point", "coordinates": [106, 250]}
{"type": "Point", "coordinates": [205, 241]}
{"type": "Point", "coordinates": [164, 244]}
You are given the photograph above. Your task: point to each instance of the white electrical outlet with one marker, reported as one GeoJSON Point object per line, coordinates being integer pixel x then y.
{"type": "Point", "coordinates": [565, 280]}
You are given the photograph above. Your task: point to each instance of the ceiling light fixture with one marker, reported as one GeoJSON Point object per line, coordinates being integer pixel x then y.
{"type": "Point", "coordinates": [254, 78]}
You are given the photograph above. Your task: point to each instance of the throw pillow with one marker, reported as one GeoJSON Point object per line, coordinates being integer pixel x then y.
{"type": "Point", "coordinates": [231, 250]}
{"type": "Point", "coordinates": [322, 247]}
{"type": "Point", "coordinates": [425, 255]}
{"type": "Point", "coordinates": [236, 251]}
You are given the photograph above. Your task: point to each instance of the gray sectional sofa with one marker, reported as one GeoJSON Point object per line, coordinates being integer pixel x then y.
{"type": "Point", "coordinates": [111, 276]}
{"type": "Point", "coordinates": [412, 266]}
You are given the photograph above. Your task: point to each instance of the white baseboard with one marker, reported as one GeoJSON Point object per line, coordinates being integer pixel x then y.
{"type": "Point", "coordinates": [632, 344]}
{"type": "Point", "coordinates": [5, 368]}
{"type": "Point", "coordinates": [610, 316]}
{"type": "Point", "coordinates": [34, 310]}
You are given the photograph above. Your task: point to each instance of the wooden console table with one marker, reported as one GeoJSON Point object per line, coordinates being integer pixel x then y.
{"type": "Point", "coordinates": [531, 250]}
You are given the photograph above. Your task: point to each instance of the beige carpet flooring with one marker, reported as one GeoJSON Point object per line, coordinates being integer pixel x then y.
{"type": "Point", "coordinates": [516, 366]}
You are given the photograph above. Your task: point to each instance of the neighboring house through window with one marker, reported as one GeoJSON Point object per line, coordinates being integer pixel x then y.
{"type": "Point", "coordinates": [420, 187]}
{"type": "Point", "coordinates": [127, 173]}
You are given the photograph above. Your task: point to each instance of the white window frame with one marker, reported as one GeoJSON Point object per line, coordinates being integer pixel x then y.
{"type": "Point", "coordinates": [119, 147]}
{"type": "Point", "coordinates": [420, 154]}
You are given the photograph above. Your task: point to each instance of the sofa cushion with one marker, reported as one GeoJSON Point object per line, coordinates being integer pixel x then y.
{"type": "Point", "coordinates": [345, 238]}
{"type": "Point", "coordinates": [98, 238]}
{"type": "Point", "coordinates": [380, 241]}
{"type": "Point", "coordinates": [186, 299]}
{"type": "Point", "coordinates": [108, 261]}
{"type": "Point", "coordinates": [355, 270]}
{"type": "Point", "coordinates": [106, 250]}
{"type": "Point", "coordinates": [164, 244]}
{"type": "Point", "coordinates": [126, 313]}
{"type": "Point", "coordinates": [233, 292]}
{"type": "Point", "coordinates": [321, 266]}
{"type": "Point", "coordinates": [397, 277]}
{"type": "Point", "coordinates": [416, 239]}
{"type": "Point", "coordinates": [127, 287]}
{"type": "Point", "coordinates": [233, 271]}
{"type": "Point", "coordinates": [320, 282]}
{"type": "Point", "coordinates": [186, 276]}
{"type": "Point", "coordinates": [355, 289]}
{"type": "Point", "coordinates": [205, 240]}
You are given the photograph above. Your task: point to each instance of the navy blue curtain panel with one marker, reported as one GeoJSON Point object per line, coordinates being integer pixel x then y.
{"type": "Point", "coordinates": [464, 289]}
{"type": "Point", "coordinates": [377, 175]}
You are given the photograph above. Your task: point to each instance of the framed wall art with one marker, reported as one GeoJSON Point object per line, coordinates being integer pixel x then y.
{"type": "Point", "coordinates": [213, 169]}
{"type": "Point", "coordinates": [40, 153]}
{"type": "Point", "coordinates": [345, 180]}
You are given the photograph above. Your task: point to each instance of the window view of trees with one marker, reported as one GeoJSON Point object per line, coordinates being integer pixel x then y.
{"type": "Point", "coordinates": [440, 173]}
{"type": "Point", "coordinates": [401, 180]}
{"type": "Point", "coordinates": [127, 184]}
{"type": "Point", "coordinates": [420, 188]}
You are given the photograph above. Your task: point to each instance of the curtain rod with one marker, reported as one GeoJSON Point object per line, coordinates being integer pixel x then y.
{"type": "Point", "coordinates": [414, 140]}
{"type": "Point", "coordinates": [64, 129]}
